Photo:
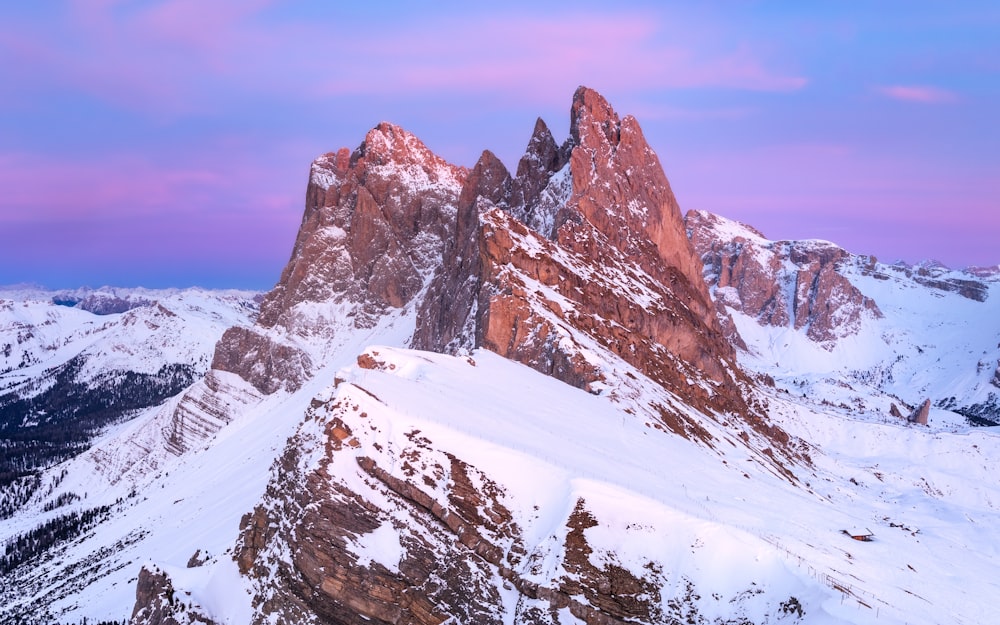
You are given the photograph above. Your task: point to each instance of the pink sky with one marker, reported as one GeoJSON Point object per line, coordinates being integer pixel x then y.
{"type": "Point", "coordinates": [167, 142]}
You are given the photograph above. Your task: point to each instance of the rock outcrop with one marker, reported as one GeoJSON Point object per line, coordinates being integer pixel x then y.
{"type": "Point", "coordinates": [374, 228]}
{"type": "Point", "coordinates": [205, 408]}
{"type": "Point", "coordinates": [261, 360]}
{"type": "Point", "coordinates": [158, 603]}
{"type": "Point", "coordinates": [585, 244]}
{"type": "Point", "coordinates": [780, 283]}
{"type": "Point", "coordinates": [921, 413]}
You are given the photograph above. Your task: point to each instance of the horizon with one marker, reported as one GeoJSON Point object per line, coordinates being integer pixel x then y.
{"type": "Point", "coordinates": [166, 144]}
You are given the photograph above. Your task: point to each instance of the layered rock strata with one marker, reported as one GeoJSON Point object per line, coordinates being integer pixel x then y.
{"type": "Point", "coordinates": [779, 283]}
{"type": "Point", "coordinates": [587, 239]}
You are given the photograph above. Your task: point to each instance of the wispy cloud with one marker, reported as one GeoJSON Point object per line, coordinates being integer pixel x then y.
{"type": "Point", "coordinates": [532, 56]}
{"type": "Point", "coordinates": [918, 93]}
{"type": "Point", "coordinates": [180, 56]}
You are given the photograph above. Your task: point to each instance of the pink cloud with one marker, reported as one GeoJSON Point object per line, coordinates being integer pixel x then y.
{"type": "Point", "coordinates": [548, 56]}
{"type": "Point", "coordinates": [42, 189]}
{"type": "Point", "coordinates": [913, 93]}
{"type": "Point", "coordinates": [176, 57]}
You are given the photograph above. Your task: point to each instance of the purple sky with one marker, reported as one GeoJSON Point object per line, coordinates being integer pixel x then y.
{"type": "Point", "coordinates": [167, 143]}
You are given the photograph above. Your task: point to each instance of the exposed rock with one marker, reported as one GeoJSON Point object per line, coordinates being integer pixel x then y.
{"type": "Point", "coordinates": [446, 320]}
{"type": "Point", "coordinates": [375, 224]}
{"type": "Point", "coordinates": [894, 411]}
{"type": "Point", "coordinates": [919, 416]}
{"type": "Point", "coordinates": [588, 238]}
{"type": "Point", "coordinates": [784, 283]}
{"type": "Point", "coordinates": [261, 361]}
{"type": "Point", "coordinates": [157, 603]}
{"type": "Point", "coordinates": [204, 408]}
{"type": "Point", "coordinates": [197, 559]}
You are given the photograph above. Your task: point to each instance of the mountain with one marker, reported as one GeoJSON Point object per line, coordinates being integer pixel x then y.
{"type": "Point", "coordinates": [852, 330]}
{"type": "Point", "coordinates": [74, 363]}
{"type": "Point", "coordinates": [477, 396]}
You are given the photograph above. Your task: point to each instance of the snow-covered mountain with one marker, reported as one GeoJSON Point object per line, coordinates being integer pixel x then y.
{"type": "Point", "coordinates": [73, 363]}
{"type": "Point", "coordinates": [852, 331]}
{"type": "Point", "coordinates": [543, 397]}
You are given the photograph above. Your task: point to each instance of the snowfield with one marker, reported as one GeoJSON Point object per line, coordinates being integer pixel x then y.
{"type": "Point", "coordinates": [732, 537]}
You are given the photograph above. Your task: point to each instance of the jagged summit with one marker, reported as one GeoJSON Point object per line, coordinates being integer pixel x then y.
{"type": "Point", "coordinates": [594, 224]}
{"type": "Point", "coordinates": [462, 486]}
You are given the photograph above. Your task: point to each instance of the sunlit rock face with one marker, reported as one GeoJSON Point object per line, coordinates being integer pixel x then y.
{"type": "Point", "coordinates": [578, 266]}
{"type": "Point", "coordinates": [375, 224]}
{"type": "Point", "coordinates": [585, 243]}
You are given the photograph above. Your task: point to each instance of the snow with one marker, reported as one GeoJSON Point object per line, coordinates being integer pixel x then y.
{"type": "Point", "coordinates": [177, 326]}
{"type": "Point", "coordinates": [380, 546]}
{"type": "Point", "coordinates": [721, 520]}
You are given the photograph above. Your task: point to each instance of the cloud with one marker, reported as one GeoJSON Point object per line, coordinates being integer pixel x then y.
{"type": "Point", "coordinates": [182, 56]}
{"type": "Point", "coordinates": [915, 93]}
{"type": "Point", "coordinates": [196, 199]}
{"type": "Point", "coordinates": [537, 56]}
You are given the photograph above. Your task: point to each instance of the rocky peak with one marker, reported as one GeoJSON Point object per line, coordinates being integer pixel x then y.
{"type": "Point", "coordinates": [619, 187]}
{"type": "Point", "coordinates": [593, 123]}
{"type": "Point", "coordinates": [784, 283]}
{"type": "Point", "coordinates": [376, 224]}
{"type": "Point", "coordinates": [586, 244]}
{"type": "Point", "coordinates": [533, 200]}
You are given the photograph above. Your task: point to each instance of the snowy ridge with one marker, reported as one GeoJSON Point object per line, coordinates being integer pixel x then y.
{"type": "Point", "coordinates": [407, 416]}
{"type": "Point", "coordinates": [165, 507]}
{"type": "Point", "coordinates": [936, 333]}
{"type": "Point", "coordinates": [175, 325]}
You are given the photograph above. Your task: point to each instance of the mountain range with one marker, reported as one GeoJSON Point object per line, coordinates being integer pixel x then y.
{"type": "Point", "coordinates": [485, 396]}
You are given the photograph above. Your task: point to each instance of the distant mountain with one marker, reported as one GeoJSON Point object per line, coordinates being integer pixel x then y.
{"type": "Point", "coordinates": [478, 396]}
{"type": "Point", "coordinates": [848, 327]}
{"type": "Point", "coordinates": [74, 363]}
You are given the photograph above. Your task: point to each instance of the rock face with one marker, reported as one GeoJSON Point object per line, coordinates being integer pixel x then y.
{"type": "Point", "coordinates": [374, 228]}
{"type": "Point", "coordinates": [260, 360]}
{"type": "Point", "coordinates": [919, 416]}
{"type": "Point", "coordinates": [157, 603]}
{"type": "Point", "coordinates": [783, 283]}
{"type": "Point", "coordinates": [585, 244]}
{"type": "Point", "coordinates": [579, 267]}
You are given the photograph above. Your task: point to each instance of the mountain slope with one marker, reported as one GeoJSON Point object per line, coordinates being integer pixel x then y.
{"type": "Point", "coordinates": [75, 362]}
{"type": "Point", "coordinates": [872, 335]}
{"type": "Point", "coordinates": [584, 442]}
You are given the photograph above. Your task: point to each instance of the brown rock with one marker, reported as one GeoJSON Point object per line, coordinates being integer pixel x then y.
{"type": "Point", "coordinates": [261, 361]}
{"type": "Point", "coordinates": [375, 222]}
{"type": "Point", "coordinates": [157, 603]}
{"type": "Point", "coordinates": [596, 223]}
{"type": "Point", "coordinates": [751, 274]}
{"type": "Point", "coordinates": [920, 415]}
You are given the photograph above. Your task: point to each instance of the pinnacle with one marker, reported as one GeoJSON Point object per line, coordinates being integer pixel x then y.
{"type": "Point", "coordinates": [592, 112]}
